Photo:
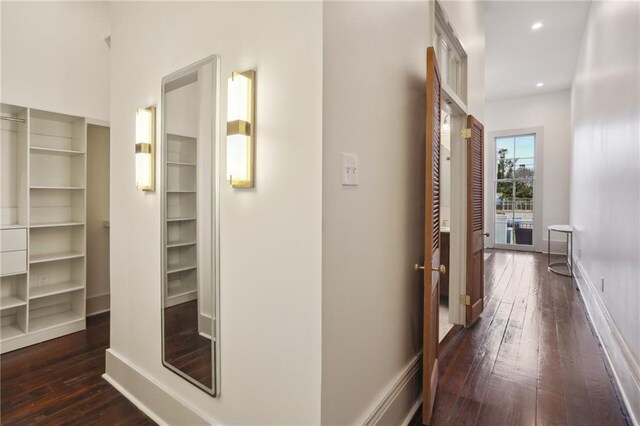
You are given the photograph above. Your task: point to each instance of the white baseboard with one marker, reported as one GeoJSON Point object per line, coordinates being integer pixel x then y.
{"type": "Point", "coordinates": [622, 363]}
{"type": "Point", "coordinates": [557, 247]}
{"type": "Point", "coordinates": [98, 304]}
{"type": "Point", "coordinates": [152, 399]}
{"type": "Point", "coordinates": [401, 399]}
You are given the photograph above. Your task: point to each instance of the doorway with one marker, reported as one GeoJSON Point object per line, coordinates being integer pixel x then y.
{"type": "Point", "coordinates": [98, 224]}
{"type": "Point", "coordinates": [517, 189]}
{"type": "Point", "coordinates": [445, 323]}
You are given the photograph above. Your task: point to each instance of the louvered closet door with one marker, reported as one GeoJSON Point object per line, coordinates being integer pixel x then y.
{"type": "Point", "coordinates": [475, 220]}
{"type": "Point", "coordinates": [432, 238]}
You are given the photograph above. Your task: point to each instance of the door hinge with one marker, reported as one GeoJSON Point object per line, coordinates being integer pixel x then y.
{"type": "Point", "coordinates": [465, 299]}
{"type": "Point", "coordinates": [465, 133]}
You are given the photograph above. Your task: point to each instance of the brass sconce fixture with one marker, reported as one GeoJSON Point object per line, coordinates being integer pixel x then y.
{"type": "Point", "coordinates": [146, 148]}
{"type": "Point", "coordinates": [241, 129]}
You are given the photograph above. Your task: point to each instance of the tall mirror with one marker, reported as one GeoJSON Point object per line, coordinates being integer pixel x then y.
{"type": "Point", "coordinates": [190, 252]}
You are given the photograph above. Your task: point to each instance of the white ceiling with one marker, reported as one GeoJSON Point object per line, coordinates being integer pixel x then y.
{"type": "Point", "coordinates": [518, 57]}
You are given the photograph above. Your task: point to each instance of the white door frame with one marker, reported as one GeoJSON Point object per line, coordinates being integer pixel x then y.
{"type": "Point", "coordinates": [537, 187]}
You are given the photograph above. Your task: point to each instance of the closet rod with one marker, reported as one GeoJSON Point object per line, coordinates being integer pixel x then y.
{"type": "Point", "coordinates": [19, 120]}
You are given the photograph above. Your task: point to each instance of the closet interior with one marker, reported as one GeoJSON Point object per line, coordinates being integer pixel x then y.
{"type": "Point", "coordinates": [42, 225]}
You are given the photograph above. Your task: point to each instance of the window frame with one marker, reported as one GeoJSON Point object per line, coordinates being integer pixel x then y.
{"type": "Point", "coordinates": [444, 34]}
{"type": "Point", "coordinates": [538, 190]}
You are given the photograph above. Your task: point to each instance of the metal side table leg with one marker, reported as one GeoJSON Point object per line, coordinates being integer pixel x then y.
{"type": "Point", "coordinates": [548, 247]}
{"type": "Point", "coordinates": [571, 256]}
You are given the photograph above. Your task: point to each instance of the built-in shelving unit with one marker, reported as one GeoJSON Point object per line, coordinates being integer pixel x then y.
{"type": "Point", "coordinates": [181, 218]}
{"type": "Point", "coordinates": [43, 211]}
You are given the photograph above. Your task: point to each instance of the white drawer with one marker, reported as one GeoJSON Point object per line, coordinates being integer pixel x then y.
{"type": "Point", "coordinates": [12, 262]}
{"type": "Point", "coordinates": [13, 239]}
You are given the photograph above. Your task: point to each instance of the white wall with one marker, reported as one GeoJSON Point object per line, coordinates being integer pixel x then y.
{"type": "Point", "coordinates": [552, 112]}
{"type": "Point", "coordinates": [605, 180]}
{"type": "Point", "coordinates": [374, 72]}
{"type": "Point", "coordinates": [373, 234]}
{"type": "Point", "coordinates": [97, 212]}
{"type": "Point", "coordinates": [54, 56]}
{"type": "Point", "coordinates": [445, 175]}
{"type": "Point", "coordinates": [271, 235]}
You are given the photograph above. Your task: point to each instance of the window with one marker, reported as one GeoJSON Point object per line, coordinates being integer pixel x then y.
{"type": "Point", "coordinates": [452, 59]}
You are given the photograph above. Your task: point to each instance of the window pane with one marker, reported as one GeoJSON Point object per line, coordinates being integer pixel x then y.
{"type": "Point", "coordinates": [525, 146]}
{"type": "Point", "coordinates": [444, 55]}
{"type": "Point", "coordinates": [504, 148]}
{"type": "Point", "coordinates": [504, 195]}
{"type": "Point", "coordinates": [524, 168]}
{"type": "Point", "coordinates": [504, 169]}
{"type": "Point", "coordinates": [523, 212]}
{"type": "Point", "coordinates": [504, 229]}
{"type": "Point", "coordinates": [504, 213]}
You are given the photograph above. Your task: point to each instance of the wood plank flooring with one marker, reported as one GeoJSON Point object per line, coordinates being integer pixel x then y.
{"type": "Point", "coordinates": [532, 359]}
{"type": "Point", "coordinates": [59, 383]}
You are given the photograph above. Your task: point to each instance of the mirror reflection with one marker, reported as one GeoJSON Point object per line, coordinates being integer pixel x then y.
{"type": "Point", "coordinates": [190, 234]}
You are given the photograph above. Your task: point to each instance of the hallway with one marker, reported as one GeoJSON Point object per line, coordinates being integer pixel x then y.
{"type": "Point", "coordinates": [531, 359]}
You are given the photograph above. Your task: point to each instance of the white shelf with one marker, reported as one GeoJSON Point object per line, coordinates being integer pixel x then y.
{"type": "Point", "coordinates": [51, 289]}
{"type": "Point", "coordinates": [57, 187]}
{"type": "Point", "coordinates": [180, 191]}
{"type": "Point", "coordinates": [175, 135]}
{"type": "Point", "coordinates": [10, 331]}
{"type": "Point", "coordinates": [12, 226]}
{"type": "Point", "coordinates": [45, 160]}
{"type": "Point", "coordinates": [54, 151]}
{"type": "Point", "coordinates": [47, 135]}
{"type": "Point", "coordinates": [51, 321]}
{"type": "Point", "coordinates": [54, 225]}
{"type": "Point", "coordinates": [41, 258]}
{"type": "Point", "coordinates": [13, 274]}
{"type": "Point", "coordinates": [180, 294]}
{"type": "Point", "coordinates": [181, 244]}
{"type": "Point", "coordinates": [180, 219]}
{"type": "Point", "coordinates": [180, 268]}
{"type": "Point", "coordinates": [11, 302]}
{"type": "Point", "coordinates": [181, 163]}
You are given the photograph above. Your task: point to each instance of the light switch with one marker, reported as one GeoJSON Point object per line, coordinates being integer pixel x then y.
{"type": "Point", "coordinates": [349, 169]}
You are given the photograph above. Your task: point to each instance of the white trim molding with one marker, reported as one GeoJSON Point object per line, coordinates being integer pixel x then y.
{"type": "Point", "coordinates": [625, 368]}
{"type": "Point", "coordinates": [150, 397]}
{"type": "Point", "coordinates": [401, 399]}
{"type": "Point", "coordinates": [98, 304]}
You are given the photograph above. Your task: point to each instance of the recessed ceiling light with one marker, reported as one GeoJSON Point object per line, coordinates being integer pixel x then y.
{"type": "Point", "coordinates": [540, 84]}
{"type": "Point", "coordinates": [536, 25]}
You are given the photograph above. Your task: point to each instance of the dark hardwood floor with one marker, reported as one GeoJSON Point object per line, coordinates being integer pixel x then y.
{"type": "Point", "coordinates": [184, 347]}
{"type": "Point", "coordinates": [532, 359]}
{"type": "Point", "coordinates": [59, 383]}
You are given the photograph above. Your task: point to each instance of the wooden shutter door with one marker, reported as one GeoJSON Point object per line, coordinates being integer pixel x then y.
{"type": "Point", "coordinates": [432, 238]}
{"type": "Point", "coordinates": [475, 220]}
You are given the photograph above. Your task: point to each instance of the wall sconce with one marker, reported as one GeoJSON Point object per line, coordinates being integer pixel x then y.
{"type": "Point", "coordinates": [241, 129]}
{"type": "Point", "coordinates": [145, 148]}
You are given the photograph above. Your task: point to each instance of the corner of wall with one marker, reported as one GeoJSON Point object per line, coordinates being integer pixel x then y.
{"type": "Point", "coordinates": [400, 400]}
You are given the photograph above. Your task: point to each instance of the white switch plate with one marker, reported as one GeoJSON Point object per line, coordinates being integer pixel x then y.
{"type": "Point", "coordinates": [349, 169]}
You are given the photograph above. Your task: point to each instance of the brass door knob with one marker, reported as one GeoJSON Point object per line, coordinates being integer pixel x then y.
{"type": "Point", "coordinates": [440, 269]}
